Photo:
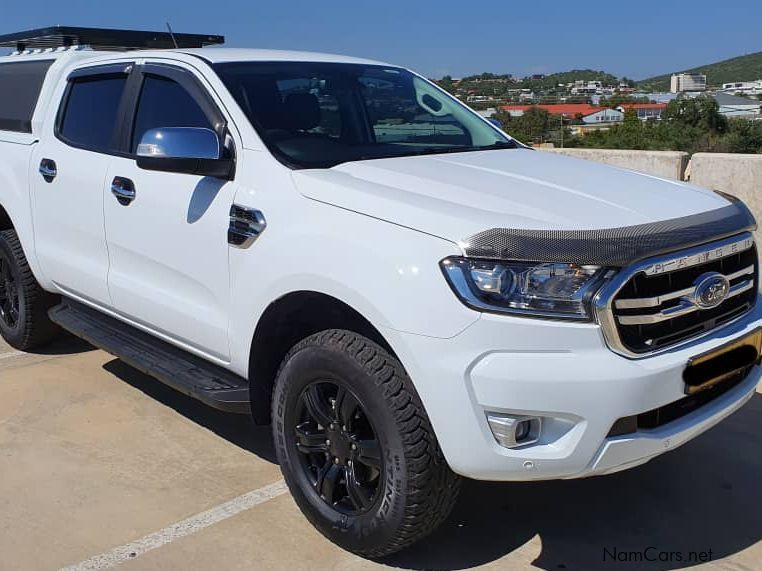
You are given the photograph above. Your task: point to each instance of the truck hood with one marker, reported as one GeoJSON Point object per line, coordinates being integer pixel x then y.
{"type": "Point", "coordinates": [454, 196]}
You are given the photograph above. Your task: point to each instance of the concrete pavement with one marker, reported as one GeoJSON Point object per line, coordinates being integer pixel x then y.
{"type": "Point", "coordinates": [94, 456]}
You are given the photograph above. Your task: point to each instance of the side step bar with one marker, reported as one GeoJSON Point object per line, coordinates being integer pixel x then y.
{"type": "Point", "coordinates": [189, 374]}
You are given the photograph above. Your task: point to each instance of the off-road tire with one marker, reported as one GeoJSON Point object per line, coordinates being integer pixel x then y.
{"type": "Point", "coordinates": [33, 327]}
{"type": "Point", "coordinates": [418, 489]}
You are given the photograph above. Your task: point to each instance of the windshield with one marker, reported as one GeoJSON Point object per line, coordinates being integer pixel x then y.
{"type": "Point", "coordinates": [317, 115]}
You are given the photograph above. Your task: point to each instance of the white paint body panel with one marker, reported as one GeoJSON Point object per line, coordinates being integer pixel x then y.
{"type": "Point", "coordinates": [370, 234]}
{"type": "Point", "coordinates": [457, 195]}
{"type": "Point", "coordinates": [68, 218]}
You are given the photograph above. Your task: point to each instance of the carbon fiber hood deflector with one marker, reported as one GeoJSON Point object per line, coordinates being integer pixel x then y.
{"type": "Point", "coordinates": [615, 247]}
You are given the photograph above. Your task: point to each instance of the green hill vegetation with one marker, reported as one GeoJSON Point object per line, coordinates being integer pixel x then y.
{"type": "Point", "coordinates": [742, 68]}
{"type": "Point", "coordinates": [691, 125]}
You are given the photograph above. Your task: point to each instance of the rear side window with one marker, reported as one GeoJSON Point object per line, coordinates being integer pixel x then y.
{"type": "Point", "coordinates": [165, 103]}
{"type": "Point", "coordinates": [20, 86]}
{"type": "Point", "coordinates": [91, 111]}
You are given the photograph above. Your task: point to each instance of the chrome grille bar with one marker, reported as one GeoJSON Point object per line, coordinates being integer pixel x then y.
{"type": "Point", "coordinates": [684, 308]}
{"type": "Point", "coordinates": [638, 303]}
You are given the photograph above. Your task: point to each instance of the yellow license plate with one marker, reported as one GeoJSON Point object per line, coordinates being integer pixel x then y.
{"type": "Point", "coordinates": [725, 363]}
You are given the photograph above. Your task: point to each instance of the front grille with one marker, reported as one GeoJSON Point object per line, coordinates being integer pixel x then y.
{"type": "Point", "coordinates": [655, 308]}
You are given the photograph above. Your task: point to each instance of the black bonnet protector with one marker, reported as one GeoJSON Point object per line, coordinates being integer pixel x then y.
{"type": "Point", "coordinates": [614, 247]}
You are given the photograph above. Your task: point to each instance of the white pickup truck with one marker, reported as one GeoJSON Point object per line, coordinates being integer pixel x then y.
{"type": "Point", "coordinates": [339, 247]}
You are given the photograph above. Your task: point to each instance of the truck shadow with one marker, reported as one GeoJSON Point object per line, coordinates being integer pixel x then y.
{"type": "Point", "coordinates": [706, 495]}
{"type": "Point", "coordinates": [238, 429]}
{"type": "Point", "coordinates": [64, 344]}
{"type": "Point", "coordinates": [703, 496]}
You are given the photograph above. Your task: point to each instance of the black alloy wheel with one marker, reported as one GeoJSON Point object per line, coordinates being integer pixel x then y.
{"type": "Point", "coordinates": [356, 446]}
{"type": "Point", "coordinates": [24, 305]}
{"type": "Point", "coordinates": [9, 292]}
{"type": "Point", "coordinates": [340, 452]}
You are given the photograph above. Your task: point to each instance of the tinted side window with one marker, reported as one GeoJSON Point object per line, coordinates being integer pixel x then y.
{"type": "Point", "coordinates": [165, 103]}
{"type": "Point", "coordinates": [91, 110]}
{"type": "Point", "coordinates": [20, 85]}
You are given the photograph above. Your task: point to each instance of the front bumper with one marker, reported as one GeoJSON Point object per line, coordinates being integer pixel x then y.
{"type": "Point", "coordinates": [565, 373]}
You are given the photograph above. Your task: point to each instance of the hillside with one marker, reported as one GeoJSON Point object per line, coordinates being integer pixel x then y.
{"type": "Point", "coordinates": [564, 77]}
{"type": "Point", "coordinates": [742, 68]}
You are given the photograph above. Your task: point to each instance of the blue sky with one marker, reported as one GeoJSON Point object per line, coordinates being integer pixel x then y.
{"type": "Point", "coordinates": [636, 39]}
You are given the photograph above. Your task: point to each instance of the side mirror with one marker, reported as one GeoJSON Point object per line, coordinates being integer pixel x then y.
{"type": "Point", "coordinates": [188, 150]}
{"type": "Point", "coordinates": [495, 122]}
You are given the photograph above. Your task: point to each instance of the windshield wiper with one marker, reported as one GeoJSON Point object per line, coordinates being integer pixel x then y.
{"type": "Point", "coordinates": [440, 150]}
{"type": "Point", "coordinates": [510, 144]}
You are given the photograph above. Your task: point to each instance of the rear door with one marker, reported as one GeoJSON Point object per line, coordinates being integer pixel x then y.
{"type": "Point", "coordinates": [168, 246]}
{"type": "Point", "coordinates": [71, 163]}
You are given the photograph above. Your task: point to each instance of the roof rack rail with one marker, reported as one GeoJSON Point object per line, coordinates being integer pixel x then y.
{"type": "Point", "coordinates": [104, 39]}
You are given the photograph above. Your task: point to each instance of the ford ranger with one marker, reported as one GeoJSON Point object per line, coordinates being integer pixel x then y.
{"type": "Point", "coordinates": [339, 248]}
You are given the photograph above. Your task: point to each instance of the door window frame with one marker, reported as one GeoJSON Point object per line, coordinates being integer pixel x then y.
{"type": "Point", "coordinates": [128, 105]}
{"type": "Point", "coordinates": [188, 81]}
{"type": "Point", "coordinates": [115, 69]}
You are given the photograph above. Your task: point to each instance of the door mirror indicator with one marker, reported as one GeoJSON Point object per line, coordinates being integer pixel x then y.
{"type": "Point", "coordinates": [188, 150]}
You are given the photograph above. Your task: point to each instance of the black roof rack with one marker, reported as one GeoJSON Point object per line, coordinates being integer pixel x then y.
{"type": "Point", "coordinates": [104, 39]}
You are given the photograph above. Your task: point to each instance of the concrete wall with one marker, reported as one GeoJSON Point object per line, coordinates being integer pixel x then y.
{"type": "Point", "coordinates": [667, 164]}
{"type": "Point", "coordinates": [740, 175]}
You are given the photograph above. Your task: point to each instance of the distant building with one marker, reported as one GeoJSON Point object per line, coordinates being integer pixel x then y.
{"type": "Point", "coordinates": [688, 82]}
{"type": "Point", "coordinates": [657, 97]}
{"type": "Point", "coordinates": [603, 115]}
{"type": "Point", "coordinates": [734, 106]}
{"type": "Point", "coordinates": [645, 111]}
{"type": "Point", "coordinates": [581, 87]}
{"type": "Point", "coordinates": [744, 87]}
{"type": "Point", "coordinates": [479, 98]}
{"type": "Point", "coordinates": [567, 110]}
{"type": "Point", "coordinates": [590, 114]}
{"type": "Point", "coordinates": [487, 113]}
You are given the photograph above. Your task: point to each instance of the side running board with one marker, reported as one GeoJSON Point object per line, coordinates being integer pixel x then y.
{"type": "Point", "coordinates": [189, 374]}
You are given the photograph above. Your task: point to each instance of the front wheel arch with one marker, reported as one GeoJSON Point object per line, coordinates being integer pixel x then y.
{"type": "Point", "coordinates": [5, 220]}
{"type": "Point", "coordinates": [288, 320]}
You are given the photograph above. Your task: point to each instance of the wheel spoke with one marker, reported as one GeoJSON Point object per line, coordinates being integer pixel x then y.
{"type": "Point", "coordinates": [338, 446]}
{"type": "Point", "coordinates": [345, 405]}
{"type": "Point", "coordinates": [358, 494]}
{"type": "Point", "coordinates": [369, 453]}
{"type": "Point", "coordinates": [317, 406]}
{"type": "Point", "coordinates": [328, 478]}
{"type": "Point", "coordinates": [310, 442]}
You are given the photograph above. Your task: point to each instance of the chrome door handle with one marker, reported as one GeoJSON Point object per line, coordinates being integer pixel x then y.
{"type": "Point", "coordinates": [48, 169]}
{"type": "Point", "coordinates": [123, 189]}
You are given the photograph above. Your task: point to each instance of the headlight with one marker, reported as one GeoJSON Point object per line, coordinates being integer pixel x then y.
{"type": "Point", "coordinates": [530, 288]}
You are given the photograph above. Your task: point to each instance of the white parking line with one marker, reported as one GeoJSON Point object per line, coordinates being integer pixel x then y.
{"type": "Point", "coordinates": [180, 529]}
{"type": "Point", "coordinates": [11, 355]}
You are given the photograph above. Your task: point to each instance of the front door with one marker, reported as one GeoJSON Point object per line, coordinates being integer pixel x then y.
{"type": "Point", "coordinates": [167, 239]}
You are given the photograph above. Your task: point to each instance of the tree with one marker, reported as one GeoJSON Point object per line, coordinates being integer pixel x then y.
{"type": "Point", "coordinates": [446, 83]}
{"type": "Point", "coordinates": [618, 99]}
{"type": "Point", "coordinates": [534, 126]}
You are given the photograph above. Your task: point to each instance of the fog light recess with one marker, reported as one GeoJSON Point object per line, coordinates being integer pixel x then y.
{"type": "Point", "coordinates": [512, 431]}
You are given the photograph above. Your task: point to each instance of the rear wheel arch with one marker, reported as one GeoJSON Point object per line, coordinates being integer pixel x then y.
{"type": "Point", "coordinates": [287, 321]}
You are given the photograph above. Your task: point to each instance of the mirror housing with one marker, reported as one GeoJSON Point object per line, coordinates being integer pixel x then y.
{"type": "Point", "coordinates": [188, 150]}
{"type": "Point", "coordinates": [495, 122]}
